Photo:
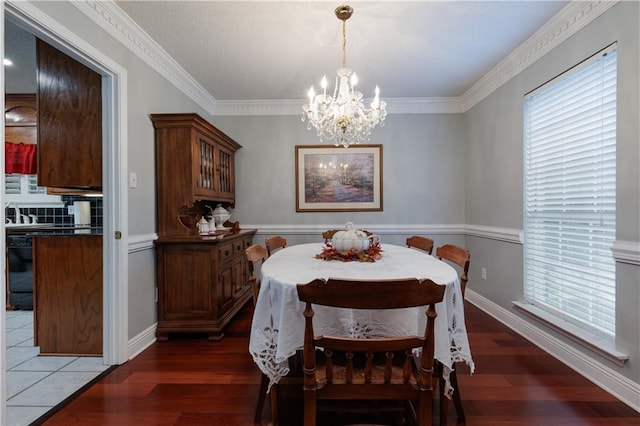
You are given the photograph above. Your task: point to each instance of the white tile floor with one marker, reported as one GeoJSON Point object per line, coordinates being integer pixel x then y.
{"type": "Point", "coordinates": [36, 384]}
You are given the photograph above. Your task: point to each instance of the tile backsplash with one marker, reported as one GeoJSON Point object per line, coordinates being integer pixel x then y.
{"type": "Point", "coordinates": [59, 215]}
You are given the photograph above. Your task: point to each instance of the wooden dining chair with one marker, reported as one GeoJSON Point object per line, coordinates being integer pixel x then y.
{"type": "Point", "coordinates": [353, 368]}
{"type": "Point", "coordinates": [328, 234]}
{"type": "Point", "coordinates": [460, 257]}
{"type": "Point", "coordinates": [257, 254]}
{"type": "Point", "coordinates": [275, 243]}
{"type": "Point", "coordinates": [422, 243]}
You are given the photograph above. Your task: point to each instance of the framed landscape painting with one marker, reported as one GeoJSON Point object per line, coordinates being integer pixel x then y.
{"type": "Point", "coordinates": [330, 179]}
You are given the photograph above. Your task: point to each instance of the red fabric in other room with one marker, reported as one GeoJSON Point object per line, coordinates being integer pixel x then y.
{"type": "Point", "coordinates": [20, 158]}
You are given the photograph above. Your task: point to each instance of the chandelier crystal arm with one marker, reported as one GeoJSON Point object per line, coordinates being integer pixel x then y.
{"type": "Point", "coordinates": [343, 117]}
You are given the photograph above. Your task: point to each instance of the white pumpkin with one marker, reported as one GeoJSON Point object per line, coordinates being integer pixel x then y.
{"type": "Point", "coordinates": [350, 238]}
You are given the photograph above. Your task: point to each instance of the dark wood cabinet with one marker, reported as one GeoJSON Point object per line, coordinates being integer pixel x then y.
{"type": "Point", "coordinates": [203, 281]}
{"type": "Point", "coordinates": [194, 169]}
{"type": "Point", "coordinates": [69, 99]}
{"type": "Point", "coordinates": [201, 284]}
{"type": "Point", "coordinates": [67, 281]}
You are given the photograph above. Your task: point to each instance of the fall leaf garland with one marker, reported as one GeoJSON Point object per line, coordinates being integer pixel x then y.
{"type": "Point", "coordinates": [373, 253]}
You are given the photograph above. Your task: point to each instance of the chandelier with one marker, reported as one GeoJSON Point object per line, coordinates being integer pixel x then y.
{"type": "Point", "coordinates": [343, 118]}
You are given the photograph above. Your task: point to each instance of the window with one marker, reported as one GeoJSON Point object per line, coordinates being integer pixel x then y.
{"type": "Point", "coordinates": [570, 195]}
{"type": "Point", "coordinates": [24, 191]}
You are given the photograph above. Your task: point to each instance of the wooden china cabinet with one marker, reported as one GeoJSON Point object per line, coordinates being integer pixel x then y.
{"type": "Point", "coordinates": [203, 281]}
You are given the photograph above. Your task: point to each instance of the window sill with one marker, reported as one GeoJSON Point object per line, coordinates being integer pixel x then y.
{"type": "Point", "coordinates": [597, 344]}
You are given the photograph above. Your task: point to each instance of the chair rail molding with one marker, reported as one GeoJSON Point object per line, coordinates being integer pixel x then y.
{"type": "Point", "coordinates": [291, 229]}
{"type": "Point", "coordinates": [508, 235]}
{"type": "Point", "coordinates": [626, 252]}
{"type": "Point", "coordinates": [141, 242]}
{"type": "Point", "coordinates": [495, 233]}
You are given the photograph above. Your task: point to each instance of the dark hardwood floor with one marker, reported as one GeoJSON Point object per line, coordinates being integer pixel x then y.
{"type": "Point", "coordinates": [189, 381]}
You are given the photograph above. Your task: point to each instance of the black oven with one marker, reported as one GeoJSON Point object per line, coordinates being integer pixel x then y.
{"type": "Point", "coordinates": [20, 276]}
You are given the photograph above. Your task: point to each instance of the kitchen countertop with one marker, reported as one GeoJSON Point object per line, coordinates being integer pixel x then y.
{"type": "Point", "coordinates": [50, 229]}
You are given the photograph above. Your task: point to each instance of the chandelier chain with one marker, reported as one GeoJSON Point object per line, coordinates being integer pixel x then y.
{"type": "Point", "coordinates": [344, 43]}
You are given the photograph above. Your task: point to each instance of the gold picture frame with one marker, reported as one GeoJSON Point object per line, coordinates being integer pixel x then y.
{"type": "Point", "coordinates": [330, 179]}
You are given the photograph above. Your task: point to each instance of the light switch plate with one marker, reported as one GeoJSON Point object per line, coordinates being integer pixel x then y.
{"type": "Point", "coordinates": [133, 180]}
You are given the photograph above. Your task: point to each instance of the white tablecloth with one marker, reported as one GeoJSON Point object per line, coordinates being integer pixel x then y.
{"type": "Point", "coordinates": [277, 330]}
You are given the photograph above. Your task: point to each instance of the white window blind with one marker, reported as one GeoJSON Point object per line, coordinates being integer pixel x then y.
{"type": "Point", "coordinates": [24, 190]}
{"type": "Point", "coordinates": [570, 194]}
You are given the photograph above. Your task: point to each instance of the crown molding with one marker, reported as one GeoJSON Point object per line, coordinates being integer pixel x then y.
{"type": "Point", "coordinates": [294, 106]}
{"type": "Point", "coordinates": [109, 16]}
{"type": "Point", "coordinates": [567, 22]}
{"type": "Point", "coordinates": [572, 18]}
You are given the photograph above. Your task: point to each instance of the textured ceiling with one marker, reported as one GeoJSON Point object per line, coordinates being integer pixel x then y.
{"type": "Point", "coordinates": [265, 50]}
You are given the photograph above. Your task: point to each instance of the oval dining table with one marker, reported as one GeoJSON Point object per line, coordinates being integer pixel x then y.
{"type": "Point", "coordinates": [277, 330]}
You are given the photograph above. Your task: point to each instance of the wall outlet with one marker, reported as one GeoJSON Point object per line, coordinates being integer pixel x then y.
{"type": "Point", "coordinates": [483, 273]}
{"type": "Point", "coordinates": [71, 209]}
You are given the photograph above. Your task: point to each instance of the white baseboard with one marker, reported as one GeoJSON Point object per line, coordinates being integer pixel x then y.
{"type": "Point", "coordinates": [608, 379]}
{"type": "Point", "coordinates": [141, 342]}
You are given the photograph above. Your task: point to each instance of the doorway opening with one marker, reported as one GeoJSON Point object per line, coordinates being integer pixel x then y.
{"type": "Point", "coordinates": [115, 250]}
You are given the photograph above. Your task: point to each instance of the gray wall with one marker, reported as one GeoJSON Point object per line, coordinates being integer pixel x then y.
{"type": "Point", "coordinates": [438, 169]}
{"type": "Point", "coordinates": [423, 170]}
{"type": "Point", "coordinates": [20, 47]}
{"type": "Point", "coordinates": [495, 172]}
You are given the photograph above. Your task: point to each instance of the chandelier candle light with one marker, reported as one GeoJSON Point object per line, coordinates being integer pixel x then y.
{"type": "Point", "coordinates": [343, 117]}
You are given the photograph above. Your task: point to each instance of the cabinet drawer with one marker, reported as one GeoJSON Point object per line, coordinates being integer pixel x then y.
{"type": "Point", "coordinates": [225, 252]}
{"type": "Point", "coordinates": [239, 246]}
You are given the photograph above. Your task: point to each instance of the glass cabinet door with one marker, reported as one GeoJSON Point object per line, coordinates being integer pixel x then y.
{"type": "Point", "coordinates": [204, 167]}
{"type": "Point", "coordinates": [225, 182]}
